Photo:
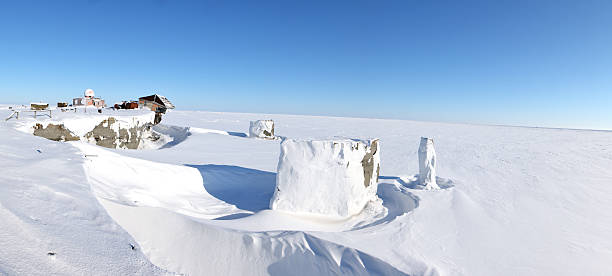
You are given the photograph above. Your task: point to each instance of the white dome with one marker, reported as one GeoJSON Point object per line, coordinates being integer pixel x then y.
{"type": "Point", "coordinates": [89, 93]}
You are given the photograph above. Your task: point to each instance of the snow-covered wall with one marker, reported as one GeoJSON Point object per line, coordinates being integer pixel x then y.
{"type": "Point", "coordinates": [127, 130]}
{"type": "Point", "coordinates": [262, 129]}
{"type": "Point", "coordinates": [334, 178]}
{"type": "Point", "coordinates": [427, 164]}
{"type": "Point", "coordinates": [112, 133]}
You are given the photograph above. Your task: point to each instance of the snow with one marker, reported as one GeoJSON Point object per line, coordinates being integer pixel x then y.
{"type": "Point", "coordinates": [427, 164]}
{"type": "Point", "coordinates": [335, 178]}
{"type": "Point", "coordinates": [46, 205]}
{"type": "Point", "coordinates": [513, 201]}
{"type": "Point", "coordinates": [261, 129]}
{"type": "Point", "coordinates": [82, 122]}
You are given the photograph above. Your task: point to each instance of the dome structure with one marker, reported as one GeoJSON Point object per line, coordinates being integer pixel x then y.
{"type": "Point", "coordinates": [89, 93]}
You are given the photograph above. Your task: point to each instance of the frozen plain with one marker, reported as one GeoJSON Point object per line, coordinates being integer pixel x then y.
{"type": "Point", "coordinates": [515, 201]}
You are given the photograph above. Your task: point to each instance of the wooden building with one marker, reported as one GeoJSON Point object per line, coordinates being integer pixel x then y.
{"type": "Point", "coordinates": [156, 103]}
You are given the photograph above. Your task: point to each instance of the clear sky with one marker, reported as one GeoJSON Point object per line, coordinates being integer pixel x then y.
{"type": "Point", "coordinates": [537, 63]}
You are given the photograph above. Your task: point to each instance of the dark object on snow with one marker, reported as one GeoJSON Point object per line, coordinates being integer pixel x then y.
{"type": "Point", "coordinates": [99, 110]}
{"type": "Point", "coordinates": [131, 105]}
{"type": "Point", "coordinates": [61, 104]}
{"type": "Point", "coordinates": [133, 246]}
{"type": "Point", "coordinates": [39, 151]}
{"type": "Point", "coordinates": [126, 105]}
{"type": "Point", "coordinates": [51, 253]}
{"type": "Point", "coordinates": [55, 132]}
{"type": "Point", "coordinates": [39, 106]}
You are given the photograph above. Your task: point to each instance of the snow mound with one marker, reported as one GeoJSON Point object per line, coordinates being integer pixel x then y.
{"type": "Point", "coordinates": [203, 249]}
{"type": "Point", "coordinates": [137, 182]}
{"type": "Point", "coordinates": [334, 178]}
{"type": "Point", "coordinates": [262, 129]}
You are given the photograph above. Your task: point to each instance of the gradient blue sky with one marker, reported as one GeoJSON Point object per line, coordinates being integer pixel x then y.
{"type": "Point", "coordinates": [537, 63]}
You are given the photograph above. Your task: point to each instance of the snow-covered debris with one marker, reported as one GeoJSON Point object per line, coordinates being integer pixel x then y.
{"type": "Point", "coordinates": [262, 129]}
{"type": "Point", "coordinates": [112, 129]}
{"type": "Point", "coordinates": [427, 164]}
{"type": "Point", "coordinates": [326, 177]}
{"type": "Point", "coordinates": [129, 134]}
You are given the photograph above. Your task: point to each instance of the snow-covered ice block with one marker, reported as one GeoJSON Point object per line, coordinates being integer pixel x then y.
{"type": "Point", "coordinates": [334, 178]}
{"type": "Point", "coordinates": [427, 164]}
{"type": "Point", "coordinates": [262, 129]}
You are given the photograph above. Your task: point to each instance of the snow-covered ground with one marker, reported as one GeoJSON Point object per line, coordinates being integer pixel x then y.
{"type": "Point", "coordinates": [513, 201]}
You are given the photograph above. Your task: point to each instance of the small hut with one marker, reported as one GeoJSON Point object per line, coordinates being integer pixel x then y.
{"type": "Point", "coordinates": [157, 103]}
{"type": "Point", "coordinates": [39, 106]}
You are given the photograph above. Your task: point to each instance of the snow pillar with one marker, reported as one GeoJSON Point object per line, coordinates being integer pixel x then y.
{"type": "Point", "coordinates": [262, 129]}
{"type": "Point", "coordinates": [335, 178]}
{"type": "Point", "coordinates": [427, 164]}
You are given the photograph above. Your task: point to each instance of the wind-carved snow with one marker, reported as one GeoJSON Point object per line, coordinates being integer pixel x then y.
{"type": "Point", "coordinates": [178, 193]}
{"type": "Point", "coordinates": [427, 164]}
{"type": "Point", "coordinates": [516, 201]}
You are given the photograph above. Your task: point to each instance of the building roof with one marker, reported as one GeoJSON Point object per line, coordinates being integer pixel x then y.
{"type": "Point", "coordinates": [158, 99]}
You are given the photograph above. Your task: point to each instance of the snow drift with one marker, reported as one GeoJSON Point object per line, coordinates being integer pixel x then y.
{"type": "Point", "coordinates": [326, 177]}
{"type": "Point", "coordinates": [523, 201]}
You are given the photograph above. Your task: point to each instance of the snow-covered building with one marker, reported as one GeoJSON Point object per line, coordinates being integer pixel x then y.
{"type": "Point", "coordinates": [126, 105]}
{"type": "Point", "coordinates": [157, 103]}
{"type": "Point", "coordinates": [334, 178]}
{"type": "Point", "coordinates": [88, 99]}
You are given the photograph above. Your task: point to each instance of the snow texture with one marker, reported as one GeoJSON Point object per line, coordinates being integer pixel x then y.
{"type": "Point", "coordinates": [262, 129]}
{"type": "Point", "coordinates": [334, 178]}
{"type": "Point", "coordinates": [115, 129]}
{"type": "Point", "coordinates": [427, 164]}
{"type": "Point", "coordinates": [518, 201]}
{"type": "Point", "coordinates": [50, 221]}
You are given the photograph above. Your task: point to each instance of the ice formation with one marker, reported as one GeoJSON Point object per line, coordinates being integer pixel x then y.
{"type": "Point", "coordinates": [427, 164]}
{"type": "Point", "coordinates": [334, 178]}
{"type": "Point", "coordinates": [262, 129]}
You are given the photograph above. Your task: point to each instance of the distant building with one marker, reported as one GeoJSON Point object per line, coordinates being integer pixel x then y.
{"type": "Point", "coordinates": [39, 106]}
{"type": "Point", "coordinates": [89, 99]}
{"type": "Point", "coordinates": [156, 103]}
{"type": "Point", "coordinates": [126, 105]}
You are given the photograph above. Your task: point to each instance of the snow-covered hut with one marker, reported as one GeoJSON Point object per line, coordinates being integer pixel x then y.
{"type": "Point", "coordinates": [157, 103]}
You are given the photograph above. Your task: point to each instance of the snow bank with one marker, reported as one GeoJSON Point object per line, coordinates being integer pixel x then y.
{"type": "Point", "coordinates": [326, 177]}
{"type": "Point", "coordinates": [427, 164]}
{"type": "Point", "coordinates": [262, 129]}
{"type": "Point", "coordinates": [111, 129]}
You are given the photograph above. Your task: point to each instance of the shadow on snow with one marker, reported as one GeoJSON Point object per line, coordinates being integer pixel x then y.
{"type": "Point", "coordinates": [248, 189]}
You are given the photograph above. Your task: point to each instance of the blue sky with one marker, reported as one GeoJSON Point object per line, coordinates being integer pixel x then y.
{"type": "Point", "coordinates": [537, 63]}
